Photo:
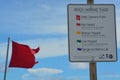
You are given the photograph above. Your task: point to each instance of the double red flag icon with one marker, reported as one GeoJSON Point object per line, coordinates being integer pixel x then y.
{"type": "Point", "coordinates": [23, 56]}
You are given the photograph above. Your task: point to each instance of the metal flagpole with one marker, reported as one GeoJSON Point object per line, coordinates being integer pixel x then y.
{"type": "Point", "coordinates": [6, 58]}
{"type": "Point", "coordinates": [93, 71]}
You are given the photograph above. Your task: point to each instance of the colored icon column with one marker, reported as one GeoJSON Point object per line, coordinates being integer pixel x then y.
{"type": "Point", "coordinates": [78, 32]}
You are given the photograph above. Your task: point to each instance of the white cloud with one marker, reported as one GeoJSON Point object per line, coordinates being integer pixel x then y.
{"type": "Point", "coordinates": [3, 49]}
{"type": "Point", "coordinates": [79, 65]}
{"type": "Point", "coordinates": [2, 67]}
{"type": "Point", "coordinates": [111, 75]}
{"type": "Point", "coordinates": [45, 6]}
{"type": "Point", "coordinates": [44, 71]}
{"type": "Point", "coordinates": [55, 78]}
{"type": "Point", "coordinates": [60, 29]}
{"type": "Point", "coordinates": [3, 53]}
{"type": "Point", "coordinates": [75, 78]}
{"type": "Point", "coordinates": [50, 29]}
{"type": "Point", "coordinates": [41, 73]}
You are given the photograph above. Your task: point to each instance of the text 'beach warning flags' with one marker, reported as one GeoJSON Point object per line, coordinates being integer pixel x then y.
{"type": "Point", "coordinates": [23, 56]}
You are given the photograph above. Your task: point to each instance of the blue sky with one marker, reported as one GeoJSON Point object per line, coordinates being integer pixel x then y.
{"type": "Point", "coordinates": [44, 23]}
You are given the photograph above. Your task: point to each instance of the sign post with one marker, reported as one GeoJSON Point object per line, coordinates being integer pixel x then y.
{"type": "Point", "coordinates": [93, 71]}
{"type": "Point", "coordinates": [92, 65]}
{"type": "Point", "coordinates": [90, 1]}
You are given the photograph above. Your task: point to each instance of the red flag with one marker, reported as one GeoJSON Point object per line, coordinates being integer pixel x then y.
{"type": "Point", "coordinates": [22, 56]}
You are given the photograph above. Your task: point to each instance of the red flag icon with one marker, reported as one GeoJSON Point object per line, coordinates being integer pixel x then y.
{"type": "Point", "coordinates": [77, 24]}
{"type": "Point", "coordinates": [22, 56]}
{"type": "Point", "coordinates": [77, 17]}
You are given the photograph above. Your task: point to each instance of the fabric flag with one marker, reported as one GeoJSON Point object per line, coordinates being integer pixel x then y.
{"type": "Point", "coordinates": [23, 56]}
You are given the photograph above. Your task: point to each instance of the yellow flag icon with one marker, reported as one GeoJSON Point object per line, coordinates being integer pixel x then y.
{"type": "Point", "coordinates": [78, 32]}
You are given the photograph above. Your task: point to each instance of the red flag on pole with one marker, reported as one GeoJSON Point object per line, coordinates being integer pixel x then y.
{"type": "Point", "coordinates": [22, 56]}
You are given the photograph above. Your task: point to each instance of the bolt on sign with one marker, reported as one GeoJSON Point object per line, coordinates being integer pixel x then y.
{"type": "Point", "coordinates": [92, 32]}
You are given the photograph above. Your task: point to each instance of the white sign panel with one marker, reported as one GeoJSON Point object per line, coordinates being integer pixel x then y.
{"type": "Point", "coordinates": [92, 32]}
